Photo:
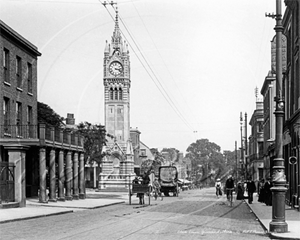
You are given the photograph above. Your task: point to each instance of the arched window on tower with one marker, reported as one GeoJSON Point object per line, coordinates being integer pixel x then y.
{"type": "Point", "coordinates": [120, 94]}
{"type": "Point", "coordinates": [116, 94]}
{"type": "Point", "coordinates": [111, 93]}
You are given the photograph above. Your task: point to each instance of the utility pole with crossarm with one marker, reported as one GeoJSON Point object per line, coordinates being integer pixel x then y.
{"type": "Point", "coordinates": [278, 223]}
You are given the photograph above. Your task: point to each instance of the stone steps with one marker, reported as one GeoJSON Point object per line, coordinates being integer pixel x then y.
{"type": "Point", "coordinates": [10, 205]}
{"type": "Point", "coordinates": [112, 189]}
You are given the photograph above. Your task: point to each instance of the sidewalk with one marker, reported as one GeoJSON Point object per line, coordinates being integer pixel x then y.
{"type": "Point", "coordinates": [264, 215]}
{"type": "Point", "coordinates": [34, 209]}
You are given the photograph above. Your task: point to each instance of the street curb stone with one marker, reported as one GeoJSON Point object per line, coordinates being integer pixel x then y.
{"type": "Point", "coordinates": [37, 216]}
{"type": "Point", "coordinates": [273, 235]}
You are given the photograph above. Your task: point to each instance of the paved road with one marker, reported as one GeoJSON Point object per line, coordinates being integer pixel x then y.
{"type": "Point", "coordinates": [195, 214]}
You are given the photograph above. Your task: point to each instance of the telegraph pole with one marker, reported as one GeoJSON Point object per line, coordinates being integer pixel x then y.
{"type": "Point", "coordinates": [278, 223]}
{"type": "Point", "coordinates": [246, 148]}
{"type": "Point", "coordinates": [242, 148]}
{"type": "Point", "coordinates": [236, 164]}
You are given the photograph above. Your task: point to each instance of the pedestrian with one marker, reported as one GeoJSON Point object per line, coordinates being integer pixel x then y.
{"type": "Point", "coordinates": [156, 189]}
{"type": "Point", "coordinates": [240, 191]}
{"type": "Point", "coordinates": [136, 180]}
{"type": "Point", "coordinates": [218, 186]}
{"type": "Point", "coordinates": [245, 196]}
{"type": "Point", "coordinates": [145, 181]}
{"type": "Point", "coordinates": [261, 194]}
{"type": "Point", "coordinates": [251, 189]}
{"type": "Point", "coordinates": [146, 178]}
{"type": "Point", "coordinates": [229, 185]}
{"type": "Point", "coordinates": [268, 192]}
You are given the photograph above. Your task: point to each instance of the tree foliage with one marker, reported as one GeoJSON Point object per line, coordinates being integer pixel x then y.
{"type": "Point", "coordinates": [158, 157]}
{"type": "Point", "coordinates": [230, 161]}
{"type": "Point", "coordinates": [173, 154]}
{"type": "Point", "coordinates": [94, 140]}
{"type": "Point", "coordinates": [206, 157]}
{"type": "Point", "coordinates": [149, 165]}
{"type": "Point", "coordinates": [48, 116]}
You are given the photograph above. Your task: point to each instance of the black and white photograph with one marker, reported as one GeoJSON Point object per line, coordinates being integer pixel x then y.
{"type": "Point", "coordinates": [149, 119]}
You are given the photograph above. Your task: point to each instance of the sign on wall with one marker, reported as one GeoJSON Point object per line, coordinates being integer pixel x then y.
{"type": "Point", "coordinates": [273, 53]}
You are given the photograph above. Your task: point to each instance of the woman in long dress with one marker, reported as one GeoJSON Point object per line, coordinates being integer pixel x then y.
{"type": "Point", "coordinates": [240, 192]}
{"type": "Point", "coordinates": [261, 191]}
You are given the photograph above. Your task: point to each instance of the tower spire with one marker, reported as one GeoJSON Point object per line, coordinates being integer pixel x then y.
{"type": "Point", "coordinates": [116, 38]}
{"type": "Point", "coordinates": [117, 19]}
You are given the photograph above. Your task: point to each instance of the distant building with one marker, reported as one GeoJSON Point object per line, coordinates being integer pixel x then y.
{"type": "Point", "coordinates": [145, 152]}
{"type": "Point", "coordinates": [70, 121]}
{"type": "Point", "coordinates": [135, 139]}
{"type": "Point", "coordinates": [268, 92]}
{"type": "Point", "coordinates": [256, 144]}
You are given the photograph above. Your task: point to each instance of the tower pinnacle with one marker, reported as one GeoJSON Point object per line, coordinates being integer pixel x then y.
{"type": "Point", "coordinates": [117, 20]}
{"type": "Point", "coordinates": [116, 38]}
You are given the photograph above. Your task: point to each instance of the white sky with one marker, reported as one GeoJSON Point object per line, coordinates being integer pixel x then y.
{"type": "Point", "coordinates": [207, 55]}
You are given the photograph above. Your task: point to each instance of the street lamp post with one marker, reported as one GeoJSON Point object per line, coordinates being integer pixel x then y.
{"type": "Point", "coordinates": [278, 223]}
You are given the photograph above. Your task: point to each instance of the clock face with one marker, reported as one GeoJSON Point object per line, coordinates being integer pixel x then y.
{"type": "Point", "coordinates": [115, 68]}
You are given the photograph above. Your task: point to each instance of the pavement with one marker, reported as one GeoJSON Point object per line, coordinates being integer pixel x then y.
{"type": "Point", "coordinates": [264, 215]}
{"type": "Point", "coordinates": [34, 209]}
{"type": "Point", "coordinates": [95, 199]}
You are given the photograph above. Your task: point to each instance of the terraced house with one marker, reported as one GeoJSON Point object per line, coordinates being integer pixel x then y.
{"type": "Point", "coordinates": [30, 152]}
{"type": "Point", "coordinates": [291, 82]}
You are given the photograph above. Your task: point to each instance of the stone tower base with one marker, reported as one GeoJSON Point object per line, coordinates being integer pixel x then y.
{"type": "Point", "coordinates": [115, 182]}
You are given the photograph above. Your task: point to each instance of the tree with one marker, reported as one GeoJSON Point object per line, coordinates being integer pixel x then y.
{"type": "Point", "coordinates": [48, 116]}
{"type": "Point", "coordinates": [173, 154]}
{"type": "Point", "coordinates": [230, 161]}
{"type": "Point", "coordinates": [205, 156]}
{"type": "Point", "coordinates": [94, 140]}
{"type": "Point", "coordinates": [158, 157]}
{"type": "Point", "coordinates": [154, 165]}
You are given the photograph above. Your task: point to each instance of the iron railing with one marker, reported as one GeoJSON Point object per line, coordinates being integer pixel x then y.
{"type": "Point", "coordinates": [42, 132]}
{"type": "Point", "coordinates": [60, 135]}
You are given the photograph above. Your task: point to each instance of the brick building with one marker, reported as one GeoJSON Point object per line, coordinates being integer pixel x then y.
{"type": "Point", "coordinates": [31, 153]}
{"type": "Point", "coordinates": [291, 85]}
{"type": "Point", "coordinates": [18, 111]}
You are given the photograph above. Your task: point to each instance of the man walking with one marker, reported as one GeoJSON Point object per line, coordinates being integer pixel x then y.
{"type": "Point", "coordinates": [251, 189]}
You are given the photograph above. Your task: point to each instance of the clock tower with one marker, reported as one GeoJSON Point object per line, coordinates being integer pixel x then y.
{"type": "Point", "coordinates": [116, 79]}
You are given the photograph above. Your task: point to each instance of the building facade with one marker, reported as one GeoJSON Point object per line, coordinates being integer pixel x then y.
{"type": "Point", "coordinates": [33, 157]}
{"type": "Point", "coordinates": [135, 139]}
{"type": "Point", "coordinates": [256, 143]}
{"type": "Point", "coordinates": [116, 69]}
{"type": "Point", "coordinates": [268, 91]}
{"type": "Point", "coordinates": [291, 84]}
{"type": "Point", "coordinates": [18, 111]}
{"type": "Point", "coordinates": [118, 166]}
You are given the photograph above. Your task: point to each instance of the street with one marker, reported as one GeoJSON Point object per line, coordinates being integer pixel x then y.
{"type": "Point", "coordinates": [195, 214]}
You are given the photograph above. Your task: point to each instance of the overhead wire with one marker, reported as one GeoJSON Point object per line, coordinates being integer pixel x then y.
{"type": "Point", "coordinates": [169, 99]}
{"type": "Point", "coordinates": [160, 87]}
{"type": "Point", "coordinates": [164, 63]}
